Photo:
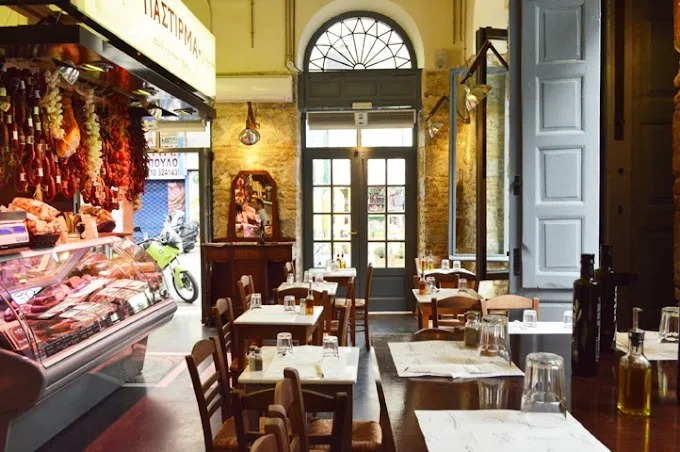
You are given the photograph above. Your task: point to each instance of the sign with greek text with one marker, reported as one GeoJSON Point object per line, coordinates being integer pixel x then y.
{"type": "Point", "coordinates": [165, 31]}
{"type": "Point", "coordinates": [166, 166]}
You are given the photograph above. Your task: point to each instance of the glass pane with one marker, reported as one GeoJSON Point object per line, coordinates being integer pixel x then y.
{"type": "Point", "coordinates": [387, 137]}
{"type": "Point", "coordinates": [322, 227]}
{"type": "Point", "coordinates": [376, 227]}
{"type": "Point", "coordinates": [341, 227]}
{"type": "Point", "coordinates": [322, 253]}
{"type": "Point", "coordinates": [321, 172]}
{"type": "Point", "coordinates": [396, 172]}
{"type": "Point", "coordinates": [341, 172]}
{"type": "Point", "coordinates": [376, 199]}
{"type": "Point", "coordinates": [376, 254]}
{"type": "Point", "coordinates": [344, 250]}
{"type": "Point", "coordinates": [376, 171]}
{"type": "Point", "coordinates": [342, 138]}
{"type": "Point", "coordinates": [396, 227]}
{"type": "Point", "coordinates": [322, 199]}
{"type": "Point", "coordinates": [396, 199]}
{"type": "Point", "coordinates": [341, 199]}
{"type": "Point", "coordinates": [395, 255]}
{"type": "Point", "coordinates": [317, 138]}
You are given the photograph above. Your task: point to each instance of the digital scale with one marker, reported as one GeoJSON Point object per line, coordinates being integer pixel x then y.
{"type": "Point", "coordinates": [13, 231]}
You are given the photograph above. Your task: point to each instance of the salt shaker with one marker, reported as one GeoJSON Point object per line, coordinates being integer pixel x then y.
{"type": "Point", "coordinates": [251, 358]}
{"type": "Point", "coordinates": [258, 359]}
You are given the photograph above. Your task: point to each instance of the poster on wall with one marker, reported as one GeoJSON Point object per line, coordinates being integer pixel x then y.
{"type": "Point", "coordinates": [166, 166]}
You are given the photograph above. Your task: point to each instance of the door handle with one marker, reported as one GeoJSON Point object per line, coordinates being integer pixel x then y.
{"type": "Point", "coordinates": [353, 232]}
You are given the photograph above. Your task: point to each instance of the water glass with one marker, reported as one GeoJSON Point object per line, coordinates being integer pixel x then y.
{"type": "Point", "coordinates": [330, 347]}
{"type": "Point", "coordinates": [495, 340]}
{"type": "Point", "coordinates": [568, 319]}
{"type": "Point", "coordinates": [431, 284]}
{"type": "Point", "coordinates": [329, 264]}
{"type": "Point", "coordinates": [290, 279]}
{"type": "Point", "coordinates": [668, 328]}
{"type": "Point", "coordinates": [305, 277]}
{"type": "Point", "coordinates": [529, 318]}
{"type": "Point", "coordinates": [256, 301]}
{"type": "Point", "coordinates": [493, 394]}
{"type": "Point", "coordinates": [289, 303]}
{"type": "Point", "coordinates": [462, 283]}
{"type": "Point", "coordinates": [318, 277]}
{"type": "Point", "coordinates": [445, 264]}
{"type": "Point", "coordinates": [456, 265]}
{"type": "Point", "coordinates": [544, 389]}
{"type": "Point", "coordinates": [284, 344]}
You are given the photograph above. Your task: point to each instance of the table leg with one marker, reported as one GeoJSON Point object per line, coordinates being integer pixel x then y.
{"type": "Point", "coordinates": [425, 313]}
{"type": "Point", "coordinates": [317, 336]}
{"type": "Point", "coordinates": [240, 351]}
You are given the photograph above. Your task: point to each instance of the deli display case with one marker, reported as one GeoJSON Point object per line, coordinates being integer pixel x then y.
{"type": "Point", "coordinates": [83, 312]}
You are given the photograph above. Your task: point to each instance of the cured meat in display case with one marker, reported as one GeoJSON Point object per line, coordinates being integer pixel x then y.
{"type": "Point", "coordinates": [82, 311]}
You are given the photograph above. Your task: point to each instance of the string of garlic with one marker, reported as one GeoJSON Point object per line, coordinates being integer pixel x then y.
{"type": "Point", "coordinates": [93, 139]}
{"type": "Point", "coordinates": [51, 102]}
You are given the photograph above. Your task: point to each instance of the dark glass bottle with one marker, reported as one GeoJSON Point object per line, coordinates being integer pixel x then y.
{"type": "Point", "coordinates": [606, 278]}
{"type": "Point", "coordinates": [585, 340]}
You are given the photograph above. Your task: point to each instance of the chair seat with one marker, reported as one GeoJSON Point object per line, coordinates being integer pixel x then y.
{"type": "Point", "coordinates": [366, 435]}
{"type": "Point", "coordinates": [226, 436]}
{"type": "Point", "coordinates": [360, 303]}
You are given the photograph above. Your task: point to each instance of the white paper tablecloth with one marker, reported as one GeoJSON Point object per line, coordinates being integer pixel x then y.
{"type": "Point", "coordinates": [447, 359]}
{"type": "Point", "coordinates": [654, 351]}
{"type": "Point", "coordinates": [518, 327]}
{"type": "Point", "coordinates": [504, 430]}
{"type": "Point", "coordinates": [309, 364]}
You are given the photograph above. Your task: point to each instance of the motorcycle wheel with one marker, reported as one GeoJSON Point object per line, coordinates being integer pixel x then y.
{"type": "Point", "coordinates": [189, 290]}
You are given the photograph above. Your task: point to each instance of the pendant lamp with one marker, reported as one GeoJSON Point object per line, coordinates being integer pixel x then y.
{"type": "Point", "coordinates": [250, 135]}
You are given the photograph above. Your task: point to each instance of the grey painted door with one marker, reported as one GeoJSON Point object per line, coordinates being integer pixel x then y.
{"type": "Point", "coordinates": [362, 204]}
{"type": "Point", "coordinates": [560, 82]}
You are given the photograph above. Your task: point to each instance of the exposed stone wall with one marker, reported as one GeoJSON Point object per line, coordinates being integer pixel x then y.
{"type": "Point", "coordinates": [277, 152]}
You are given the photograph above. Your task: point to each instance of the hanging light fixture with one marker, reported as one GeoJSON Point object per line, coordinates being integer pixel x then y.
{"type": "Point", "coordinates": [434, 126]}
{"type": "Point", "coordinates": [474, 93]}
{"type": "Point", "coordinates": [69, 72]}
{"type": "Point", "coordinates": [249, 136]}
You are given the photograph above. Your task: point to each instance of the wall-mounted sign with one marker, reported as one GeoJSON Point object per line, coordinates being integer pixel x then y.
{"type": "Point", "coordinates": [165, 31]}
{"type": "Point", "coordinates": [165, 165]}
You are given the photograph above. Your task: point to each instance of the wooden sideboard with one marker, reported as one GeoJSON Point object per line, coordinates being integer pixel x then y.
{"type": "Point", "coordinates": [223, 263]}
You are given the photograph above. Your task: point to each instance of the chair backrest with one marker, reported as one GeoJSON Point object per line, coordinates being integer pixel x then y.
{"type": "Point", "coordinates": [455, 305]}
{"type": "Point", "coordinates": [446, 280]}
{"type": "Point", "coordinates": [275, 438]}
{"type": "Point", "coordinates": [223, 313]}
{"type": "Point", "coordinates": [211, 393]}
{"type": "Point", "coordinates": [504, 303]}
{"type": "Point", "coordinates": [310, 401]}
{"type": "Point", "coordinates": [246, 288]}
{"type": "Point", "coordinates": [434, 334]}
{"type": "Point", "coordinates": [247, 410]}
{"type": "Point", "coordinates": [369, 283]}
{"type": "Point", "coordinates": [343, 327]}
{"type": "Point", "coordinates": [297, 292]}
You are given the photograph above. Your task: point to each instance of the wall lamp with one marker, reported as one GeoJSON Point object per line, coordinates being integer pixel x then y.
{"type": "Point", "coordinates": [434, 126]}
{"type": "Point", "coordinates": [249, 136]}
{"type": "Point", "coordinates": [475, 93]}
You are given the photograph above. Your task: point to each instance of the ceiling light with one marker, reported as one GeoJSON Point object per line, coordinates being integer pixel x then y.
{"type": "Point", "coordinates": [249, 136]}
{"type": "Point", "coordinates": [146, 91]}
{"type": "Point", "coordinates": [187, 111]}
{"type": "Point", "coordinates": [155, 111]}
{"type": "Point", "coordinates": [96, 66]}
{"type": "Point", "coordinates": [69, 72]}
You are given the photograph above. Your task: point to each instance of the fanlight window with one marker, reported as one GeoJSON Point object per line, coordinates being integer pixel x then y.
{"type": "Point", "coordinates": [359, 43]}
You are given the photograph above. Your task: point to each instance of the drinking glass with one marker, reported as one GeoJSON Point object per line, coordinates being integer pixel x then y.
{"type": "Point", "coordinates": [495, 339]}
{"type": "Point", "coordinates": [330, 347]}
{"type": "Point", "coordinates": [305, 277]}
{"type": "Point", "coordinates": [329, 264]}
{"type": "Point", "coordinates": [256, 301]}
{"type": "Point", "coordinates": [544, 389]}
{"type": "Point", "coordinates": [431, 284]}
{"type": "Point", "coordinates": [284, 344]}
{"type": "Point", "coordinates": [529, 318]}
{"type": "Point", "coordinates": [462, 283]}
{"type": "Point", "coordinates": [289, 303]}
{"type": "Point", "coordinates": [290, 279]}
{"type": "Point", "coordinates": [668, 328]}
{"type": "Point", "coordinates": [493, 394]}
{"type": "Point", "coordinates": [445, 264]}
{"type": "Point", "coordinates": [318, 277]}
{"type": "Point", "coordinates": [568, 319]}
{"type": "Point", "coordinates": [456, 265]}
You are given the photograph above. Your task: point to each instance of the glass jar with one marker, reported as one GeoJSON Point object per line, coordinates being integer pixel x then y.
{"type": "Point", "coordinates": [473, 328]}
{"type": "Point", "coordinates": [431, 283]}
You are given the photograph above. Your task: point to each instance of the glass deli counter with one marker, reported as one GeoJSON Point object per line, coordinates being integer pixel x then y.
{"type": "Point", "coordinates": [83, 312]}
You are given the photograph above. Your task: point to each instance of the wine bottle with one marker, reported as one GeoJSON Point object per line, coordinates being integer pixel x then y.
{"type": "Point", "coordinates": [585, 340]}
{"type": "Point", "coordinates": [309, 302]}
{"type": "Point", "coordinates": [606, 277]}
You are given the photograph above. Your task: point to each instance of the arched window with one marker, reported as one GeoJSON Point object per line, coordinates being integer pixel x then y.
{"type": "Point", "coordinates": [359, 40]}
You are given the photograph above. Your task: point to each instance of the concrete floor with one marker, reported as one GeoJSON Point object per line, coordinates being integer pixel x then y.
{"type": "Point", "coordinates": [160, 413]}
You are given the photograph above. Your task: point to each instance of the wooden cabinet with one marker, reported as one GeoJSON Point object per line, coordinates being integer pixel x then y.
{"type": "Point", "coordinates": [223, 263]}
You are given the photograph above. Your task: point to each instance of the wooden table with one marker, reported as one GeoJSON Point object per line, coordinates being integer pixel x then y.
{"type": "Point", "coordinates": [269, 320]}
{"type": "Point", "coordinates": [330, 287]}
{"type": "Point", "coordinates": [591, 400]}
{"type": "Point", "coordinates": [340, 276]}
{"type": "Point", "coordinates": [425, 302]}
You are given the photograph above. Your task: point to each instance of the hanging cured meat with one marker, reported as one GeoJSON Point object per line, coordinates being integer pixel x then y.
{"type": "Point", "coordinates": [67, 146]}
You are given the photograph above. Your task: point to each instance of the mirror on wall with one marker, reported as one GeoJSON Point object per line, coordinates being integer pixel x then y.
{"type": "Point", "coordinates": [253, 212]}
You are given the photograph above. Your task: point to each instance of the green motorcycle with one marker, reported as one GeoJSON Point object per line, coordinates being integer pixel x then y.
{"type": "Point", "coordinates": [165, 254]}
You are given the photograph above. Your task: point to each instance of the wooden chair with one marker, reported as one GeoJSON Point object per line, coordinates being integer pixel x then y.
{"type": "Point", "coordinates": [249, 411]}
{"type": "Point", "coordinates": [456, 305]}
{"type": "Point", "coordinates": [338, 432]}
{"type": "Point", "coordinates": [434, 334]}
{"type": "Point", "coordinates": [343, 325]}
{"type": "Point", "coordinates": [246, 288]}
{"type": "Point", "coordinates": [211, 395]}
{"type": "Point", "coordinates": [359, 310]}
{"type": "Point", "coordinates": [275, 438]}
{"type": "Point", "coordinates": [223, 313]}
{"type": "Point", "coordinates": [297, 292]}
{"type": "Point", "coordinates": [446, 280]}
{"type": "Point", "coordinates": [504, 303]}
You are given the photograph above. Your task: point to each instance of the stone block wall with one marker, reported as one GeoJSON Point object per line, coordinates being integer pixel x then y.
{"type": "Point", "coordinates": [277, 152]}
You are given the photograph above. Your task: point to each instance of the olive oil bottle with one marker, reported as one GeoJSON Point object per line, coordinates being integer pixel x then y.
{"type": "Point", "coordinates": [606, 277]}
{"type": "Point", "coordinates": [309, 302]}
{"type": "Point", "coordinates": [635, 374]}
{"type": "Point", "coordinates": [585, 339]}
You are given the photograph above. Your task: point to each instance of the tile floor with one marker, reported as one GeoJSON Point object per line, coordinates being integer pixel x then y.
{"type": "Point", "coordinates": [158, 411]}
